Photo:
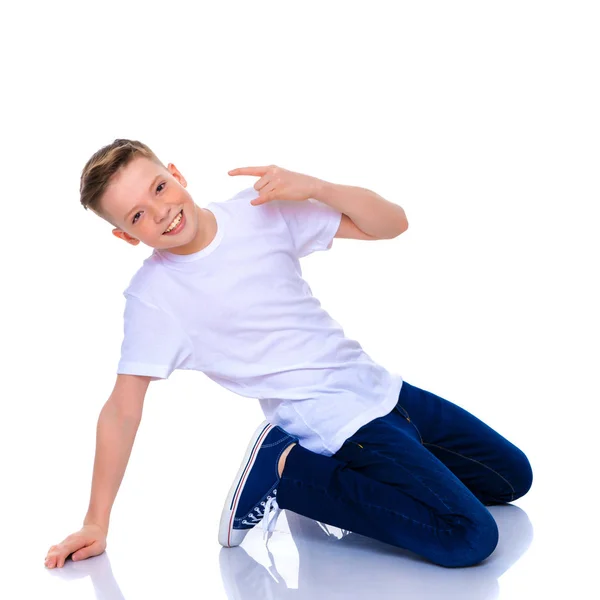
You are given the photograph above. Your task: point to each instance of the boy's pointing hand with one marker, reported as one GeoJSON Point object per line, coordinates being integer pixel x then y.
{"type": "Point", "coordinates": [276, 183]}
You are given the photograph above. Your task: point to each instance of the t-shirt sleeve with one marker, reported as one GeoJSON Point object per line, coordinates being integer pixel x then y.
{"type": "Point", "coordinates": [154, 343]}
{"type": "Point", "coordinates": [312, 224]}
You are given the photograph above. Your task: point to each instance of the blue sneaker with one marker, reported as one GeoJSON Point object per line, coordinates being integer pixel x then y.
{"type": "Point", "coordinates": [253, 494]}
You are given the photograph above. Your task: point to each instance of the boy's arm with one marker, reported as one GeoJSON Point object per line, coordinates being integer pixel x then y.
{"type": "Point", "coordinates": [117, 426]}
{"type": "Point", "coordinates": [367, 211]}
{"type": "Point", "coordinates": [349, 230]}
{"type": "Point", "coordinates": [373, 215]}
{"type": "Point", "coordinates": [115, 433]}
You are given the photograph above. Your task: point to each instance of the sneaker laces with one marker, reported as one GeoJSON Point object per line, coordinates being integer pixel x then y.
{"type": "Point", "coordinates": [270, 516]}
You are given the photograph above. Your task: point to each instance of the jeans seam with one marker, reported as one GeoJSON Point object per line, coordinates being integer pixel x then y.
{"type": "Point", "coordinates": [479, 462]}
{"type": "Point", "coordinates": [422, 443]}
{"type": "Point", "coordinates": [343, 500]}
{"type": "Point", "coordinates": [279, 441]}
{"type": "Point", "coordinates": [407, 417]}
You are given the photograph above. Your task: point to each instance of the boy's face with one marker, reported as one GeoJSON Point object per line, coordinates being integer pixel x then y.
{"type": "Point", "coordinates": [143, 198]}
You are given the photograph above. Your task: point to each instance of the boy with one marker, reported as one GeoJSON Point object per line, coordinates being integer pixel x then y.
{"type": "Point", "coordinates": [346, 442]}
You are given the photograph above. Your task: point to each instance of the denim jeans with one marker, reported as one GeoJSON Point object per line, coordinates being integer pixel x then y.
{"type": "Point", "coordinates": [418, 478]}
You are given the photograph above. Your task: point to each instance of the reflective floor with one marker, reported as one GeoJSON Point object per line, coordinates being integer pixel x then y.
{"type": "Point", "coordinates": [315, 561]}
{"type": "Point", "coordinates": [307, 560]}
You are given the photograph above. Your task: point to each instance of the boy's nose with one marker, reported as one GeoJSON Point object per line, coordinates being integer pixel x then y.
{"type": "Point", "coordinates": [163, 215]}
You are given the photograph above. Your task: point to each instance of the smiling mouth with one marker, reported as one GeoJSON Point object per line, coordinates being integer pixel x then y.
{"type": "Point", "coordinates": [179, 219]}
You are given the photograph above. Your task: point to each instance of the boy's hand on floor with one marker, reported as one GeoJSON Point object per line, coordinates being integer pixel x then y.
{"type": "Point", "coordinates": [90, 540]}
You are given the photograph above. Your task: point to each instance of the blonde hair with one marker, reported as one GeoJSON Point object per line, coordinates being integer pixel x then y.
{"type": "Point", "coordinates": [103, 164]}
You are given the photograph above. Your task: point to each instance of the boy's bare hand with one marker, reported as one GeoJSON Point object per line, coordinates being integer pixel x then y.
{"type": "Point", "coordinates": [90, 540]}
{"type": "Point", "coordinates": [281, 184]}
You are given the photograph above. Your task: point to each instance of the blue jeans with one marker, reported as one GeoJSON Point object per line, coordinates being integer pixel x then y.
{"type": "Point", "coordinates": [419, 478]}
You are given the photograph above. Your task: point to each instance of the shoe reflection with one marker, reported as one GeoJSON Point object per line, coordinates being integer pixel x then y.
{"type": "Point", "coordinates": [331, 563]}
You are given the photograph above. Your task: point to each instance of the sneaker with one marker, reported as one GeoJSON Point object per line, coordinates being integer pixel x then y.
{"type": "Point", "coordinates": [253, 495]}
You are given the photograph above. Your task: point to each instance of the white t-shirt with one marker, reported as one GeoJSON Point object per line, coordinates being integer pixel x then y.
{"type": "Point", "coordinates": [240, 312]}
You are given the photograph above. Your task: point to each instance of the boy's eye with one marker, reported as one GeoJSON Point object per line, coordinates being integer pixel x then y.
{"type": "Point", "coordinates": [160, 185]}
{"type": "Point", "coordinates": [134, 216]}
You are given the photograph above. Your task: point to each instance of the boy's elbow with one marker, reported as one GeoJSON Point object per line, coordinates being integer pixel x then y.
{"type": "Point", "coordinates": [403, 227]}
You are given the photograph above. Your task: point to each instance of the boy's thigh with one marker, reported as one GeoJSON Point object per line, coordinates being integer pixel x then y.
{"type": "Point", "coordinates": [493, 468]}
{"type": "Point", "coordinates": [388, 450]}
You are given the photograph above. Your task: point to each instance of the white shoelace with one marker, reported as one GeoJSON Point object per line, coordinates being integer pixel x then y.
{"type": "Point", "coordinates": [269, 520]}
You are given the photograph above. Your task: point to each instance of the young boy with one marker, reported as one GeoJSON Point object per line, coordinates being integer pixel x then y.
{"type": "Point", "coordinates": [346, 442]}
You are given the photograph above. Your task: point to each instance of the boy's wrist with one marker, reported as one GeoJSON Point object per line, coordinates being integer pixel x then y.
{"type": "Point", "coordinates": [99, 522]}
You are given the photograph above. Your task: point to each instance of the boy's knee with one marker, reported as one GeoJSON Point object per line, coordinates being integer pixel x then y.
{"type": "Point", "coordinates": [522, 478]}
{"type": "Point", "coordinates": [474, 545]}
{"type": "Point", "coordinates": [519, 477]}
{"type": "Point", "coordinates": [484, 542]}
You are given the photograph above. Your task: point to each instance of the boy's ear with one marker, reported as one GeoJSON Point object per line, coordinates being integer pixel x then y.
{"type": "Point", "coordinates": [125, 236]}
{"type": "Point", "coordinates": [176, 174]}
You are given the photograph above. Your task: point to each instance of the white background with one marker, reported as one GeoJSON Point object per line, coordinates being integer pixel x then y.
{"type": "Point", "coordinates": [479, 118]}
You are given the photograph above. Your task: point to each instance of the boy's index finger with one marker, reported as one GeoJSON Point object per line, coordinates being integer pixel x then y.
{"type": "Point", "coordinates": [256, 171]}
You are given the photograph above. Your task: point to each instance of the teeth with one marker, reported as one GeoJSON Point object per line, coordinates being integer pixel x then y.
{"type": "Point", "coordinates": [174, 224]}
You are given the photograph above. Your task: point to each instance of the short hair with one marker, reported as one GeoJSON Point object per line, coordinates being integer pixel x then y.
{"type": "Point", "coordinates": [103, 164]}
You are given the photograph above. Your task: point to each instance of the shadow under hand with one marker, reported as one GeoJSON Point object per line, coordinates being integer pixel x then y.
{"type": "Point", "coordinates": [98, 569]}
{"type": "Point", "coordinates": [334, 563]}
